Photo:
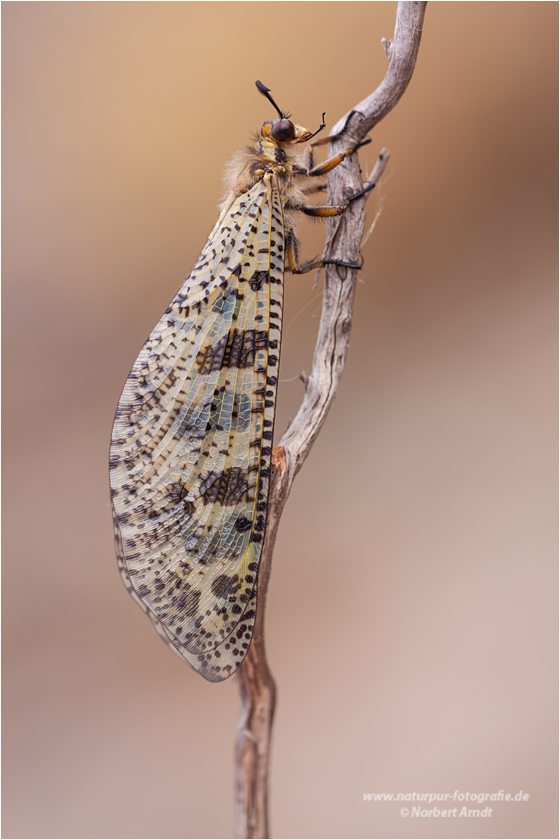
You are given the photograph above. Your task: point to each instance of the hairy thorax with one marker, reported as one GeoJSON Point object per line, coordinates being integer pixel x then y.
{"type": "Point", "coordinates": [251, 164]}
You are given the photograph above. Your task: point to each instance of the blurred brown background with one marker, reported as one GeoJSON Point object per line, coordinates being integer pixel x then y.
{"type": "Point", "coordinates": [411, 622]}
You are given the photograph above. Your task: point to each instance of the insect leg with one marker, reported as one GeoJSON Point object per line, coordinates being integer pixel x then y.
{"type": "Point", "coordinates": [321, 210]}
{"type": "Point", "coordinates": [327, 165]}
{"type": "Point", "coordinates": [330, 137]}
{"type": "Point", "coordinates": [293, 259]}
{"type": "Point", "coordinates": [316, 188]}
{"type": "Point", "coordinates": [324, 140]}
{"type": "Point", "coordinates": [326, 210]}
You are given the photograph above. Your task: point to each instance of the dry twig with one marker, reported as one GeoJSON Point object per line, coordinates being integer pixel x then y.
{"type": "Point", "coordinates": [344, 236]}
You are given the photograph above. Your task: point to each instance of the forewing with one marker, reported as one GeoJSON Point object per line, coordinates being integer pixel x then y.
{"type": "Point", "coordinates": [191, 449]}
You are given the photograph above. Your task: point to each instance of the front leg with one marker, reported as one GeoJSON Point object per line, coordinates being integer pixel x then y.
{"type": "Point", "coordinates": [310, 171]}
{"type": "Point", "coordinates": [330, 163]}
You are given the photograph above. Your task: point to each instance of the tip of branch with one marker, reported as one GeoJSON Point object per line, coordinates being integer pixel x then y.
{"type": "Point", "coordinates": [387, 46]}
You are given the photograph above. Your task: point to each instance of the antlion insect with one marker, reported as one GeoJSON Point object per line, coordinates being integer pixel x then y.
{"type": "Point", "coordinates": [192, 437]}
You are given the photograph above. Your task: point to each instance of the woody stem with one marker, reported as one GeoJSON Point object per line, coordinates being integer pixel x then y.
{"type": "Point", "coordinates": [344, 236]}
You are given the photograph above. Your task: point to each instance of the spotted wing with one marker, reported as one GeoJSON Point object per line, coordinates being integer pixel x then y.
{"type": "Point", "coordinates": [192, 441]}
{"type": "Point", "coordinates": [219, 663]}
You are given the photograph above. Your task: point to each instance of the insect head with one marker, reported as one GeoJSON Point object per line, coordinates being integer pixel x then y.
{"type": "Point", "coordinates": [283, 130]}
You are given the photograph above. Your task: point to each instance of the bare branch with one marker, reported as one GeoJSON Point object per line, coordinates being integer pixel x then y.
{"type": "Point", "coordinates": [344, 236]}
{"type": "Point", "coordinates": [402, 52]}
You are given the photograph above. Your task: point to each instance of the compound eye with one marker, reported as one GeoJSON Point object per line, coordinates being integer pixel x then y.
{"type": "Point", "coordinates": [283, 130]}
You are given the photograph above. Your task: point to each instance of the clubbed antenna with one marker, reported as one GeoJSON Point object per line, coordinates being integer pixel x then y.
{"type": "Point", "coordinates": [266, 92]}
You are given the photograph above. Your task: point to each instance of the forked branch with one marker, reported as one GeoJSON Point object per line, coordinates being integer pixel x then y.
{"type": "Point", "coordinates": [344, 237]}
